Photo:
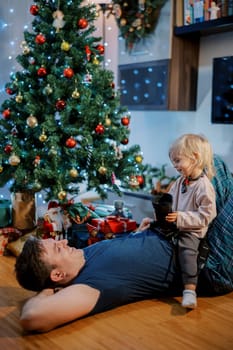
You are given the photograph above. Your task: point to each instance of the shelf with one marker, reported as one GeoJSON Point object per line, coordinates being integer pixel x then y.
{"type": "Point", "coordinates": [220, 25]}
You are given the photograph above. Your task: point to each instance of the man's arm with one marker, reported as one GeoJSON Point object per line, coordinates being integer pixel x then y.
{"type": "Point", "coordinates": [48, 310]}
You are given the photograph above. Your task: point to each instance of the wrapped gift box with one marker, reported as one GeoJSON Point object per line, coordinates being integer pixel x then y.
{"type": "Point", "coordinates": [79, 236]}
{"type": "Point", "coordinates": [114, 225]}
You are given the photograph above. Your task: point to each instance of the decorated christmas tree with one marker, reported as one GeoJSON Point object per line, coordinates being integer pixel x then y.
{"type": "Point", "coordinates": [63, 124]}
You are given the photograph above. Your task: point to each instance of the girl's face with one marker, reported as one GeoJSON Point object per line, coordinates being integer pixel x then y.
{"type": "Point", "coordinates": [184, 165]}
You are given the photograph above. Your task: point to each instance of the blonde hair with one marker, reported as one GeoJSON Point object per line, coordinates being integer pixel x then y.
{"type": "Point", "coordinates": [194, 146]}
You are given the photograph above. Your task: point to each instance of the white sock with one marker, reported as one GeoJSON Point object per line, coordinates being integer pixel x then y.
{"type": "Point", "coordinates": [189, 299]}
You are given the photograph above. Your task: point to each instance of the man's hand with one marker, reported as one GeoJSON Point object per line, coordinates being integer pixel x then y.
{"type": "Point", "coordinates": [172, 217]}
{"type": "Point", "coordinates": [145, 224]}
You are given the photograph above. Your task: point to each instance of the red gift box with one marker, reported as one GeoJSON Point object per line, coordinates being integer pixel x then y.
{"type": "Point", "coordinates": [114, 224]}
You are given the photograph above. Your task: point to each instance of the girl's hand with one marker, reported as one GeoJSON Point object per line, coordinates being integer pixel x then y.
{"type": "Point", "coordinates": [171, 217]}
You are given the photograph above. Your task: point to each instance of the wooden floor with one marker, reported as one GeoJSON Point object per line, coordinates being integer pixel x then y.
{"type": "Point", "coordinates": [146, 325]}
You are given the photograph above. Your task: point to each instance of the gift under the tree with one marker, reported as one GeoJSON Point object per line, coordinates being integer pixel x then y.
{"type": "Point", "coordinates": [79, 236]}
{"type": "Point", "coordinates": [96, 236]}
{"type": "Point", "coordinates": [114, 225]}
{"type": "Point", "coordinates": [24, 211]}
{"type": "Point", "coordinates": [67, 220]}
{"type": "Point", "coordinates": [78, 212]}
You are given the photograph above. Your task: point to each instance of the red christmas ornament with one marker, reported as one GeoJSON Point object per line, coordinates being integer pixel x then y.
{"type": "Point", "coordinates": [82, 23]}
{"type": "Point", "coordinates": [100, 48]}
{"type": "Point", "coordinates": [125, 141]}
{"type": "Point", "coordinates": [125, 121]}
{"type": "Point", "coordinates": [9, 91]}
{"type": "Point", "coordinates": [42, 72]}
{"type": "Point", "coordinates": [68, 73]}
{"type": "Point", "coordinates": [36, 160]}
{"type": "Point", "coordinates": [60, 105]}
{"type": "Point", "coordinates": [88, 52]}
{"type": "Point", "coordinates": [99, 129]}
{"type": "Point", "coordinates": [40, 39]}
{"type": "Point", "coordinates": [6, 113]}
{"type": "Point", "coordinates": [8, 149]}
{"type": "Point", "coordinates": [71, 142]}
{"type": "Point", "coordinates": [34, 10]}
{"type": "Point", "coordinates": [140, 179]}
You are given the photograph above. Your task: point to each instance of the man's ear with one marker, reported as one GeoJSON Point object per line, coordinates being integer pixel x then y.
{"type": "Point", "coordinates": [57, 275]}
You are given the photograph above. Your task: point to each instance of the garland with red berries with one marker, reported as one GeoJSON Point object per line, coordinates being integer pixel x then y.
{"type": "Point", "coordinates": [136, 19]}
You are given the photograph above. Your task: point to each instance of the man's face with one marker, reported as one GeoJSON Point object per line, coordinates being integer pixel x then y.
{"type": "Point", "coordinates": [67, 261]}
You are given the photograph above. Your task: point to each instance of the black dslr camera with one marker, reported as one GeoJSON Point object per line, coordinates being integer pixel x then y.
{"type": "Point", "coordinates": [162, 206]}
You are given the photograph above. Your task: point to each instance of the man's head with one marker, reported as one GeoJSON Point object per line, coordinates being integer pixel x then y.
{"type": "Point", "coordinates": [47, 264]}
{"type": "Point", "coordinates": [31, 271]}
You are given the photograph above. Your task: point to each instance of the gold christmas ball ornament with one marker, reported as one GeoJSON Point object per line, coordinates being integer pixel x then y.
{"type": "Point", "coordinates": [14, 160]}
{"type": "Point", "coordinates": [32, 121]}
{"type": "Point", "coordinates": [26, 50]}
{"type": "Point", "coordinates": [108, 122]}
{"type": "Point", "coordinates": [123, 22]}
{"type": "Point", "coordinates": [61, 195]}
{"type": "Point", "coordinates": [95, 61]}
{"type": "Point", "coordinates": [65, 46]}
{"type": "Point", "coordinates": [75, 94]}
{"type": "Point", "coordinates": [24, 47]}
{"type": "Point", "coordinates": [1, 168]}
{"type": "Point", "coordinates": [139, 159]}
{"type": "Point", "coordinates": [102, 170]}
{"type": "Point", "coordinates": [23, 44]}
{"type": "Point", "coordinates": [43, 137]}
{"type": "Point", "coordinates": [73, 172]}
{"type": "Point", "coordinates": [19, 98]}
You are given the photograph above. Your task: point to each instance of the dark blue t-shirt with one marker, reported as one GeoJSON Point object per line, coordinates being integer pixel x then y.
{"type": "Point", "coordinates": [128, 269]}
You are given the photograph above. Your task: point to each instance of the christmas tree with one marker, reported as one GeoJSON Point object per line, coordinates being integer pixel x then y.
{"type": "Point", "coordinates": [63, 124]}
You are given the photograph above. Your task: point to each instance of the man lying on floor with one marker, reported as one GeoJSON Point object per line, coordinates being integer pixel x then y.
{"type": "Point", "coordinates": [73, 283]}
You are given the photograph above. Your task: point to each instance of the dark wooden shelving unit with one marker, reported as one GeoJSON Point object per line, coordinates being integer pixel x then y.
{"type": "Point", "coordinates": [219, 25]}
{"type": "Point", "coordinates": [183, 75]}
